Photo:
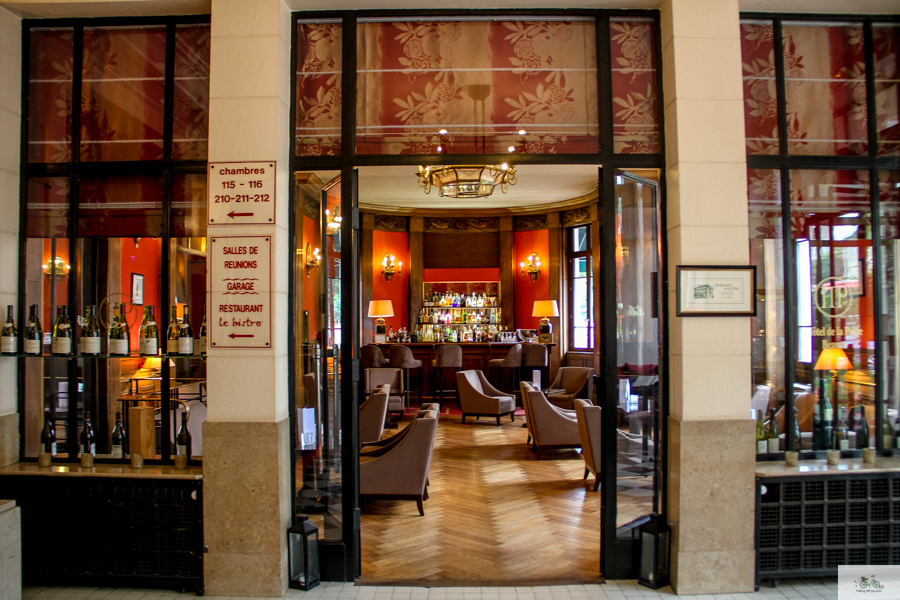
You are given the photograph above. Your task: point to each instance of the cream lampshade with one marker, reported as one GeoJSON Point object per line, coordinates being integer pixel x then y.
{"type": "Point", "coordinates": [545, 309]}
{"type": "Point", "coordinates": [378, 309]}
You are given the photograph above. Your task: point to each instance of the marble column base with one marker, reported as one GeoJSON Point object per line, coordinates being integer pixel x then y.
{"type": "Point", "coordinates": [246, 507]}
{"type": "Point", "coordinates": [712, 506]}
{"type": "Point", "coordinates": [9, 439]}
{"type": "Point", "coordinates": [10, 550]}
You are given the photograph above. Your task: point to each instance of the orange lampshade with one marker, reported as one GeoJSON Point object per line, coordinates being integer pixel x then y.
{"type": "Point", "coordinates": [545, 308]}
{"type": "Point", "coordinates": [381, 308]}
{"type": "Point", "coordinates": [833, 359]}
{"type": "Point", "coordinates": [155, 362]}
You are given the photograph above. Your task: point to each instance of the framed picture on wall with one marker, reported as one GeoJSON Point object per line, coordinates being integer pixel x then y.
{"type": "Point", "coordinates": [137, 288]}
{"type": "Point", "coordinates": [715, 291]}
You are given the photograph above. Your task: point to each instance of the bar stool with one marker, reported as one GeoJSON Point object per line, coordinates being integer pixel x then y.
{"type": "Point", "coordinates": [448, 356]}
{"type": "Point", "coordinates": [534, 356]}
{"type": "Point", "coordinates": [513, 360]}
{"type": "Point", "coordinates": [402, 358]}
{"type": "Point", "coordinates": [371, 357]}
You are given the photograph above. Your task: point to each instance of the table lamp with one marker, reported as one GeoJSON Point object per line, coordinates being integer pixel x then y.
{"type": "Point", "coordinates": [380, 309]}
{"type": "Point", "coordinates": [834, 360]}
{"type": "Point", "coordinates": [545, 309]}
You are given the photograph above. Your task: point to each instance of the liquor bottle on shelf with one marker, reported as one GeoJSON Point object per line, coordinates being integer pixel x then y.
{"type": "Point", "coordinates": [48, 435]}
{"type": "Point", "coordinates": [172, 333]}
{"type": "Point", "coordinates": [149, 340]}
{"type": "Point", "coordinates": [201, 339]}
{"type": "Point", "coordinates": [887, 431]}
{"type": "Point", "coordinates": [796, 445]}
{"type": "Point", "coordinates": [10, 333]}
{"type": "Point", "coordinates": [762, 446]}
{"type": "Point", "coordinates": [89, 338]}
{"type": "Point", "coordinates": [34, 336]}
{"type": "Point", "coordinates": [118, 438]}
{"type": "Point", "coordinates": [772, 433]}
{"type": "Point", "coordinates": [117, 344]}
{"type": "Point", "coordinates": [183, 437]}
{"type": "Point", "coordinates": [88, 443]}
{"type": "Point", "coordinates": [62, 333]}
{"type": "Point", "coordinates": [185, 335]}
{"type": "Point", "coordinates": [841, 435]}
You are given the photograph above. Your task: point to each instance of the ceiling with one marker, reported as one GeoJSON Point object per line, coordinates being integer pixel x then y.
{"type": "Point", "coordinates": [395, 188]}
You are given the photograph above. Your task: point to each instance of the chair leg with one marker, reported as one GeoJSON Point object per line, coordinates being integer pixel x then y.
{"type": "Point", "coordinates": [421, 507]}
{"type": "Point", "coordinates": [596, 483]}
{"type": "Point", "coordinates": [586, 471]}
{"type": "Point", "coordinates": [498, 420]}
{"type": "Point", "coordinates": [464, 420]}
{"type": "Point", "coordinates": [425, 495]}
{"type": "Point", "coordinates": [529, 439]}
{"type": "Point", "coordinates": [456, 386]}
{"type": "Point", "coordinates": [513, 417]}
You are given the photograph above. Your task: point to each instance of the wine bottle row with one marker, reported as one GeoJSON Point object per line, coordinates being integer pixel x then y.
{"type": "Point", "coordinates": [179, 337]}
{"type": "Point", "coordinates": [118, 439]}
{"type": "Point", "coordinates": [827, 432]}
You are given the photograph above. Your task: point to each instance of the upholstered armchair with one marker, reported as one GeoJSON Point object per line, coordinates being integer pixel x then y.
{"type": "Point", "coordinates": [590, 426]}
{"type": "Point", "coordinates": [372, 415]}
{"type": "Point", "coordinates": [576, 381]}
{"type": "Point", "coordinates": [548, 426]}
{"type": "Point", "coordinates": [386, 375]}
{"type": "Point", "coordinates": [376, 448]}
{"type": "Point", "coordinates": [478, 398]}
{"type": "Point", "coordinates": [399, 471]}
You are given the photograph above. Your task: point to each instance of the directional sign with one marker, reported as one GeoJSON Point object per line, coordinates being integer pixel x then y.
{"type": "Point", "coordinates": [241, 193]}
{"type": "Point", "coordinates": [240, 291]}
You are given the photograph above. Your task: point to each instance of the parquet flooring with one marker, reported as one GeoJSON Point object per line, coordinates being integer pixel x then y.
{"type": "Point", "coordinates": [494, 515]}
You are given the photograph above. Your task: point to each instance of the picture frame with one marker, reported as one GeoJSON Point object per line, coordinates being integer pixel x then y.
{"type": "Point", "coordinates": [715, 291]}
{"type": "Point", "coordinates": [137, 288]}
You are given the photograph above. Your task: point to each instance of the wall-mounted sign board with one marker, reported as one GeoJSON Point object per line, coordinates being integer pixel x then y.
{"type": "Point", "coordinates": [240, 292]}
{"type": "Point", "coordinates": [241, 193]}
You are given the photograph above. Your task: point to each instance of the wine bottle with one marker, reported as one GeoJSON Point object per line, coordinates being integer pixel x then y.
{"type": "Point", "coordinates": [796, 444]}
{"type": "Point", "coordinates": [61, 344]}
{"type": "Point", "coordinates": [827, 412]}
{"type": "Point", "coordinates": [126, 330]}
{"type": "Point", "coordinates": [201, 339]}
{"type": "Point", "coordinates": [89, 338]}
{"type": "Point", "coordinates": [859, 425]}
{"type": "Point", "coordinates": [34, 340]}
{"type": "Point", "coordinates": [841, 435]}
{"type": "Point", "coordinates": [48, 435]}
{"type": "Point", "coordinates": [172, 333]}
{"type": "Point", "coordinates": [117, 345]}
{"type": "Point", "coordinates": [762, 445]}
{"type": "Point", "coordinates": [118, 438]}
{"type": "Point", "coordinates": [150, 334]}
{"type": "Point", "coordinates": [10, 333]}
{"type": "Point", "coordinates": [183, 437]}
{"type": "Point", "coordinates": [887, 431]}
{"type": "Point", "coordinates": [772, 433]}
{"type": "Point", "coordinates": [818, 429]}
{"type": "Point", "coordinates": [186, 334]}
{"type": "Point", "coordinates": [88, 444]}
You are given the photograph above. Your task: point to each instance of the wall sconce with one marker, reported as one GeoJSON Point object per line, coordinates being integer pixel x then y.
{"type": "Point", "coordinates": [137, 242]}
{"type": "Point", "coordinates": [334, 222]}
{"type": "Point", "coordinates": [56, 268]}
{"type": "Point", "coordinates": [532, 268]}
{"type": "Point", "coordinates": [313, 258]}
{"type": "Point", "coordinates": [388, 266]}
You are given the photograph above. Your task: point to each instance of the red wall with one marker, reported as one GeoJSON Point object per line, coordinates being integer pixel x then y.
{"type": "Point", "coordinates": [145, 260]}
{"type": "Point", "coordinates": [526, 242]}
{"type": "Point", "coordinates": [397, 290]}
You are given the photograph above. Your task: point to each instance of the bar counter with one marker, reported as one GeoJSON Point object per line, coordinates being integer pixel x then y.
{"type": "Point", "coordinates": [475, 357]}
{"type": "Point", "coordinates": [103, 470]}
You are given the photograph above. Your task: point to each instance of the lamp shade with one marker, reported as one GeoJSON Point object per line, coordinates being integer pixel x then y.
{"type": "Point", "coordinates": [545, 308]}
{"type": "Point", "coordinates": [833, 359]}
{"type": "Point", "coordinates": [381, 308]}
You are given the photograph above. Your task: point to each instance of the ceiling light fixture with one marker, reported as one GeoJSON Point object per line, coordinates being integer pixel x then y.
{"type": "Point", "coordinates": [467, 181]}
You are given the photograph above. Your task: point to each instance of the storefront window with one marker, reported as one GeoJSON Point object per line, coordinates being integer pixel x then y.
{"type": "Point", "coordinates": [886, 42]}
{"type": "Point", "coordinates": [492, 86]}
{"type": "Point", "coordinates": [50, 95]}
{"type": "Point", "coordinates": [889, 363]}
{"type": "Point", "coordinates": [581, 288]}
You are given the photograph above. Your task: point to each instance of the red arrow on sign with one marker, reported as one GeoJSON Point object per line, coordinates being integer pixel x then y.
{"type": "Point", "coordinates": [237, 335]}
{"type": "Point", "coordinates": [233, 214]}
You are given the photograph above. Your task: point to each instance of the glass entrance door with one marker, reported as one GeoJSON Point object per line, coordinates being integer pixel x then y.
{"type": "Point", "coordinates": [631, 349]}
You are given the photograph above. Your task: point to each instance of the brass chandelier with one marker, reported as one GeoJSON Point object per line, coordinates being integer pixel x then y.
{"type": "Point", "coordinates": [467, 181]}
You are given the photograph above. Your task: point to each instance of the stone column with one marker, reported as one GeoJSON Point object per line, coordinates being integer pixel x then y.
{"type": "Point", "coordinates": [10, 122]}
{"type": "Point", "coordinates": [246, 462]}
{"type": "Point", "coordinates": [711, 452]}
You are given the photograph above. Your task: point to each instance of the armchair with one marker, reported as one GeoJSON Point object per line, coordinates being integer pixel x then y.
{"type": "Point", "coordinates": [377, 377]}
{"type": "Point", "coordinates": [576, 381]}
{"type": "Point", "coordinates": [372, 415]}
{"type": "Point", "coordinates": [590, 427]}
{"type": "Point", "coordinates": [548, 425]}
{"type": "Point", "coordinates": [478, 398]}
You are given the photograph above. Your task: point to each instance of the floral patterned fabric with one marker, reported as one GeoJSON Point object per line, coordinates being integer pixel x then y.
{"type": "Point", "coordinates": [319, 90]}
{"type": "Point", "coordinates": [887, 87]}
{"type": "Point", "coordinates": [190, 110]}
{"type": "Point", "coordinates": [120, 207]}
{"type": "Point", "coordinates": [50, 96]}
{"type": "Point", "coordinates": [482, 81]}
{"type": "Point", "coordinates": [760, 103]}
{"type": "Point", "coordinates": [635, 98]}
{"type": "Point", "coordinates": [47, 207]}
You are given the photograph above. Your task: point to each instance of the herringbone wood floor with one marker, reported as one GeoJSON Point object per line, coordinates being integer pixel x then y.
{"type": "Point", "coordinates": [494, 515]}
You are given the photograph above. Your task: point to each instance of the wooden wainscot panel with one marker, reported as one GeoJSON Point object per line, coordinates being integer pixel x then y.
{"type": "Point", "coordinates": [461, 249]}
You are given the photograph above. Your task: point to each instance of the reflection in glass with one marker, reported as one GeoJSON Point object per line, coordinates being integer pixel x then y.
{"type": "Point", "coordinates": [889, 365]}
{"type": "Point", "coordinates": [190, 110]}
{"type": "Point", "coordinates": [635, 98]}
{"type": "Point", "coordinates": [637, 344]}
{"type": "Point", "coordinates": [767, 254]}
{"type": "Point", "coordinates": [319, 90]}
{"type": "Point", "coordinates": [50, 95]}
{"type": "Point", "coordinates": [886, 44]}
{"type": "Point", "coordinates": [760, 97]}
{"type": "Point", "coordinates": [831, 228]}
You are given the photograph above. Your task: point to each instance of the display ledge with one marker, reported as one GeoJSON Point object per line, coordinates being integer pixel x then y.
{"type": "Point", "coordinates": [103, 470]}
{"type": "Point", "coordinates": [70, 356]}
{"type": "Point", "coordinates": [821, 467]}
